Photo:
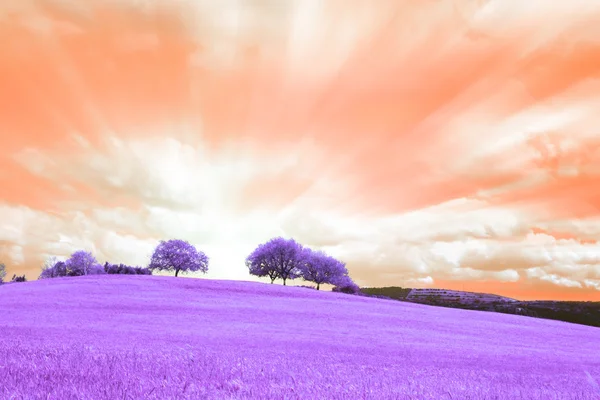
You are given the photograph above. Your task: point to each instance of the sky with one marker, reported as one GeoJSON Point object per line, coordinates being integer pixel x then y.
{"type": "Point", "coordinates": [447, 144]}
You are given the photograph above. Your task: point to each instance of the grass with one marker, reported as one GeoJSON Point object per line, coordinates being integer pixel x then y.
{"type": "Point", "coordinates": [147, 337]}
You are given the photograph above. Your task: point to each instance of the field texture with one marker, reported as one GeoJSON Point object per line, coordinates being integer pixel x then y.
{"type": "Point", "coordinates": [148, 337]}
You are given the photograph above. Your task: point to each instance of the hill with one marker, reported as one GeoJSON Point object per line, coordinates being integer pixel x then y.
{"type": "Point", "coordinates": [149, 337]}
{"type": "Point", "coordinates": [579, 312]}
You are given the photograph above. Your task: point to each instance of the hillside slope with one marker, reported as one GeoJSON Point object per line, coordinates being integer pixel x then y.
{"type": "Point", "coordinates": [579, 312]}
{"type": "Point", "coordinates": [274, 341]}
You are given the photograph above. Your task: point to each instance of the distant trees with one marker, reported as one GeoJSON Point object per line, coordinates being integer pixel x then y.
{"type": "Point", "coordinates": [55, 270]}
{"type": "Point", "coordinates": [122, 269]}
{"type": "Point", "coordinates": [284, 259]}
{"type": "Point", "coordinates": [80, 263]}
{"type": "Point", "coordinates": [277, 258]}
{"type": "Point", "coordinates": [2, 272]}
{"type": "Point", "coordinates": [178, 255]}
{"type": "Point", "coordinates": [84, 263]}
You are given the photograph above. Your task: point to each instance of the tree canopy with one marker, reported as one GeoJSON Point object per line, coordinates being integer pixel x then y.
{"type": "Point", "coordinates": [178, 255]}
{"type": "Point", "coordinates": [81, 263]}
{"type": "Point", "coordinates": [277, 258]}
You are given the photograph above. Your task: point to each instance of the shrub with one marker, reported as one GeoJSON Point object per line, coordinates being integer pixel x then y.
{"type": "Point", "coordinates": [121, 269]}
{"type": "Point", "coordinates": [346, 285]}
{"type": "Point", "coordinates": [350, 289]}
{"type": "Point", "coordinates": [16, 278]}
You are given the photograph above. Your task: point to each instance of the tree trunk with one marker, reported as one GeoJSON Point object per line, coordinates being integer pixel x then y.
{"type": "Point", "coordinates": [283, 281]}
{"type": "Point", "coordinates": [176, 272]}
{"type": "Point", "coordinates": [318, 286]}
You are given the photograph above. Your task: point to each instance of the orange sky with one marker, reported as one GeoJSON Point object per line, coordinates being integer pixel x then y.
{"type": "Point", "coordinates": [426, 144]}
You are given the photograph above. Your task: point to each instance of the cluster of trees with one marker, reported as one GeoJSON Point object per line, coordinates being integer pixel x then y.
{"type": "Point", "coordinates": [80, 263]}
{"type": "Point", "coordinates": [285, 259]}
{"type": "Point", "coordinates": [278, 258]}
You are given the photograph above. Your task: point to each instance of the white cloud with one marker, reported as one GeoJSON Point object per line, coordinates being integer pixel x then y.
{"type": "Point", "coordinates": [592, 283]}
{"type": "Point", "coordinates": [188, 193]}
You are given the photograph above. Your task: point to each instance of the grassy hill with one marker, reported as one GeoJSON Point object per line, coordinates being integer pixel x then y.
{"type": "Point", "coordinates": [579, 312]}
{"type": "Point", "coordinates": [151, 337]}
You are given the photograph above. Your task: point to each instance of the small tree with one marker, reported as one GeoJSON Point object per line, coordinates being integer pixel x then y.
{"type": "Point", "coordinates": [178, 255]}
{"type": "Point", "coordinates": [2, 272]}
{"type": "Point", "coordinates": [318, 267]}
{"type": "Point", "coordinates": [277, 258]}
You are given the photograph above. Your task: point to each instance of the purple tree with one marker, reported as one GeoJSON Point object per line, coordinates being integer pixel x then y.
{"type": "Point", "coordinates": [178, 255]}
{"type": "Point", "coordinates": [83, 263]}
{"type": "Point", "coordinates": [318, 267]}
{"type": "Point", "coordinates": [277, 258]}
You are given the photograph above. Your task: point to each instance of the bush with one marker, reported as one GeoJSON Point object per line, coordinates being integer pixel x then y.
{"type": "Point", "coordinates": [346, 285]}
{"type": "Point", "coordinates": [121, 269]}
{"type": "Point", "coordinates": [349, 288]}
{"type": "Point", "coordinates": [16, 278]}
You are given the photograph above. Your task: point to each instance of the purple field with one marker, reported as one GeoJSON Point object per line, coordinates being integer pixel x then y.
{"type": "Point", "coordinates": [150, 337]}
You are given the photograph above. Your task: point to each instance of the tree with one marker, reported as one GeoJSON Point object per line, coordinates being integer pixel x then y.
{"type": "Point", "coordinates": [318, 267]}
{"type": "Point", "coordinates": [83, 263]}
{"type": "Point", "coordinates": [178, 255]}
{"type": "Point", "coordinates": [277, 258]}
{"type": "Point", "coordinates": [2, 272]}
